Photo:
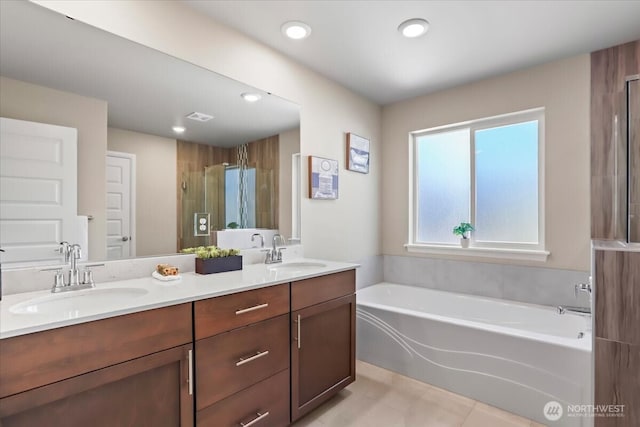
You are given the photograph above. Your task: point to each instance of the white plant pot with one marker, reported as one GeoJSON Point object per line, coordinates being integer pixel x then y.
{"type": "Point", "coordinates": [464, 243]}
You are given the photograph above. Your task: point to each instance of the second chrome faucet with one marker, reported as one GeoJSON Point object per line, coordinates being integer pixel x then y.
{"type": "Point", "coordinates": [274, 255]}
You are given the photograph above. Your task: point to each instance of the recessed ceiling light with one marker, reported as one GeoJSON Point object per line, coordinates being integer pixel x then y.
{"type": "Point", "coordinates": [296, 30]}
{"type": "Point", "coordinates": [250, 97]}
{"type": "Point", "coordinates": [413, 28]}
{"type": "Point", "coordinates": [178, 129]}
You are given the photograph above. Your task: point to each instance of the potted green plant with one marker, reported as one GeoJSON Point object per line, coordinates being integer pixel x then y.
{"type": "Point", "coordinates": [463, 231]}
{"type": "Point", "coordinates": [212, 259]}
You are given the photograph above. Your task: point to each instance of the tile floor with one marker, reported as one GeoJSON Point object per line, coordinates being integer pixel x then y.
{"type": "Point", "coordinates": [381, 398]}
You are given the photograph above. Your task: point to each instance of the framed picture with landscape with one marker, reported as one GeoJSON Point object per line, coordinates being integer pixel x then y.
{"type": "Point", "coordinates": [357, 153]}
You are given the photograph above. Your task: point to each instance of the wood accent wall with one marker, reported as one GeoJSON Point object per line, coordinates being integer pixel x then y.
{"type": "Point", "coordinates": [617, 331]}
{"type": "Point", "coordinates": [609, 68]}
{"type": "Point", "coordinates": [193, 158]}
{"type": "Point", "coordinates": [617, 273]}
{"type": "Point", "coordinates": [634, 161]}
{"type": "Point", "coordinates": [263, 154]}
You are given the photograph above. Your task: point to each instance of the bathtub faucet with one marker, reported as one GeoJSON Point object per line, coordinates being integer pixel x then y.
{"type": "Point", "coordinates": [582, 287]}
{"type": "Point", "coordinates": [562, 309]}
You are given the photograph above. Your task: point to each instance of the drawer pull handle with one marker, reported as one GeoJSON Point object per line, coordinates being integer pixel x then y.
{"type": "Point", "coordinates": [255, 307]}
{"type": "Point", "coordinates": [258, 417]}
{"type": "Point", "coordinates": [258, 355]}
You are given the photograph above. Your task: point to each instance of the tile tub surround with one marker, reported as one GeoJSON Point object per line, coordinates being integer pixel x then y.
{"type": "Point", "coordinates": [370, 272]}
{"type": "Point", "coordinates": [534, 285]}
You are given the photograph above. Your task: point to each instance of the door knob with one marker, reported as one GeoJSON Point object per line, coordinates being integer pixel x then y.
{"type": "Point", "coordinates": [125, 238]}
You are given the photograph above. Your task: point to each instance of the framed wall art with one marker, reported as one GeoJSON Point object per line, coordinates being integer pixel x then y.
{"type": "Point", "coordinates": [357, 153]}
{"type": "Point", "coordinates": [323, 178]}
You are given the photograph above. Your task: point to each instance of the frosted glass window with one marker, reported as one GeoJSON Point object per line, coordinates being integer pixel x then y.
{"type": "Point", "coordinates": [443, 185]}
{"type": "Point", "coordinates": [506, 166]}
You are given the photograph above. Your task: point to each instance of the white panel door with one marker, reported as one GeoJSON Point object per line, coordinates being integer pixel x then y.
{"type": "Point", "coordinates": [38, 189]}
{"type": "Point", "coordinates": [120, 209]}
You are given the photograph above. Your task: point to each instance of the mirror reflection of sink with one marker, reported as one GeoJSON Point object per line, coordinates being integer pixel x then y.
{"type": "Point", "coordinates": [73, 304]}
{"type": "Point", "coordinates": [296, 266]}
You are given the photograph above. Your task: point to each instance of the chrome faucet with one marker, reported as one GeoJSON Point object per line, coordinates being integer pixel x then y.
{"type": "Point", "coordinates": [274, 255]}
{"type": "Point", "coordinates": [562, 309]}
{"type": "Point", "coordinates": [261, 239]}
{"type": "Point", "coordinates": [75, 253]}
{"type": "Point", "coordinates": [582, 287]}
{"type": "Point", "coordinates": [72, 253]}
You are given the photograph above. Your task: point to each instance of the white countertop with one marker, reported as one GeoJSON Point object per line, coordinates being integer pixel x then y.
{"type": "Point", "coordinates": [190, 287]}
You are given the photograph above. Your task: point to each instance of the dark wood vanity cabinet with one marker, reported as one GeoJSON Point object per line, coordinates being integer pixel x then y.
{"type": "Point", "coordinates": [323, 339]}
{"type": "Point", "coordinates": [242, 358]}
{"type": "Point", "coordinates": [126, 370]}
{"type": "Point", "coordinates": [263, 357]}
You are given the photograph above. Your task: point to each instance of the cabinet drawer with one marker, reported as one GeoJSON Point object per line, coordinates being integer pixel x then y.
{"type": "Point", "coordinates": [268, 399]}
{"type": "Point", "coordinates": [228, 312]}
{"type": "Point", "coordinates": [41, 358]}
{"type": "Point", "coordinates": [305, 293]}
{"type": "Point", "coordinates": [230, 362]}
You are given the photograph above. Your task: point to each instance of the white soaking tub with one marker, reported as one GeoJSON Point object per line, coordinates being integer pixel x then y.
{"type": "Point", "coordinates": [511, 355]}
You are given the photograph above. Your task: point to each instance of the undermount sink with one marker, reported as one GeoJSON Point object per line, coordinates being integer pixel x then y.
{"type": "Point", "coordinates": [297, 265]}
{"type": "Point", "coordinates": [77, 303]}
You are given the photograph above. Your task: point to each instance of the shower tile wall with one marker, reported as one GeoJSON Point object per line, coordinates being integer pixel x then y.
{"type": "Point", "coordinates": [526, 284]}
{"type": "Point", "coordinates": [617, 336]}
{"type": "Point", "coordinates": [609, 68]}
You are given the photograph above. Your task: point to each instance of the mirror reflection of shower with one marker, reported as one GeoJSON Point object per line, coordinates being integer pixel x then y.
{"type": "Point", "coordinates": [240, 208]}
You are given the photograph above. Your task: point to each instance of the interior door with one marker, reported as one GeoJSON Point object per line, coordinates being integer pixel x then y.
{"type": "Point", "coordinates": [120, 208]}
{"type": "Point", "coordinates": [38, 189]}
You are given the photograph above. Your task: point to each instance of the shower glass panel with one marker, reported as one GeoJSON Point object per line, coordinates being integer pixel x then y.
{"type": "Point", "coordinates": [633, 150]}
{"type": "Point", "coordinates": [237, 195]}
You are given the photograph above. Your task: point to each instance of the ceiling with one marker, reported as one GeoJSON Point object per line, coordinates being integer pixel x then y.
{"type": "Point", "coordinates": [356, 43]}
{"type": "Point", "coordinates": [147, 91]}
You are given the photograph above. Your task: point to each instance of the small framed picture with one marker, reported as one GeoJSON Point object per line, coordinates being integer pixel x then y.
{"type": "Point", "coordinates": [323, 178]}
{"type": "Point", "coordinates": [357, 153]}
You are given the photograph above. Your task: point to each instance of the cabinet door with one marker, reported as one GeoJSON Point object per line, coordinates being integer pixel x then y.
{"type": "Point", "coordinates": [149, 391]}
{"type": "Point", "coordinates": [322, 353]}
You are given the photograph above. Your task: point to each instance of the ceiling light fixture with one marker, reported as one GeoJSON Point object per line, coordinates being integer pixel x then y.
{"type": "Point", "coordinates": [296, 30]}
{"type": "Point", "coordinates": [412, 28]}
{"type": "Point", "coordinates": [251, 97]}
{"type": "Point", "coordinates": [178, 129]}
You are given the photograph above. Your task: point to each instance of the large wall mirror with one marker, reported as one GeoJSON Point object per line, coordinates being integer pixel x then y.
{"type": "Point", "coordinates": [131, 152]}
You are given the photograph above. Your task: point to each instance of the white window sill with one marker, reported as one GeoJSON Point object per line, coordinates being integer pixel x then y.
{"type": "Point", "coordinates": [518, 254]}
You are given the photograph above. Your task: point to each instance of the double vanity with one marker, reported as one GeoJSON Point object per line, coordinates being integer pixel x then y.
{"type": "Point", "coordinates": [262, 346]}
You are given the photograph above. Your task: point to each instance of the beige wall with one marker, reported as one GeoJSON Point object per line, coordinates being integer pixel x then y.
{"type": "Point", "coordinates": [156, 212]}
{"type": "Point", "coordinates": [561, 87]}
{"type": "Point", "coordinates": [289, 144]}
{"type": "Point", "coordinates": [328, 110]}
{"type": "Point", "coordinates": [24, 101]}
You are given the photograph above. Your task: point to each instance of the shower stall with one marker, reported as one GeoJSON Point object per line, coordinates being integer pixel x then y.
{"type": "Point", "coordinates": [225, 196]}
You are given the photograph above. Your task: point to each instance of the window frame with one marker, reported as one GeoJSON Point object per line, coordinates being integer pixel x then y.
{"type": "Point", "coordinates": [508, 250]}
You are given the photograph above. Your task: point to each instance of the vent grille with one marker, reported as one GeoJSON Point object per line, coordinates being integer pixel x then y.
{"type": "Point", "coordinates": [199, 117]}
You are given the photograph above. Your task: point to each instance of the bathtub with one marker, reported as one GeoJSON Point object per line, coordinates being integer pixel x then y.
{"type": "Point", "coordinates": [510, 355]}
